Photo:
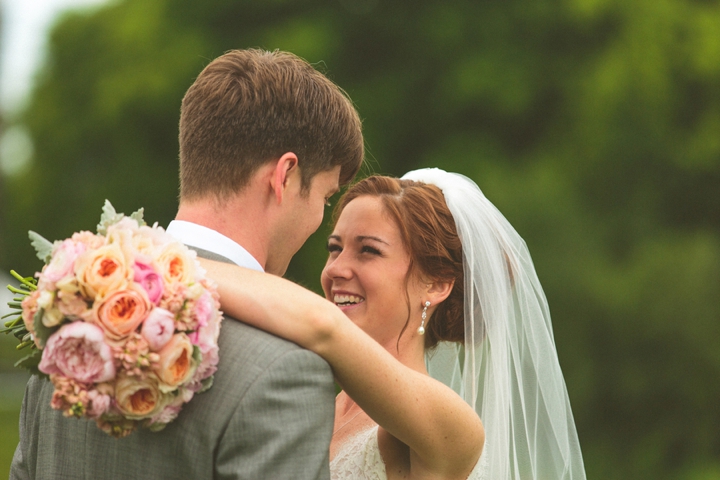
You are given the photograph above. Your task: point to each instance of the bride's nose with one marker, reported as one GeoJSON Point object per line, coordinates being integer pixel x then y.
{"type": "Point", "coordinates": [338, 267]}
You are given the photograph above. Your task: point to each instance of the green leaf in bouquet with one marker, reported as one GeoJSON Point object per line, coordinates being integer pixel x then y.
{"type": "Point", "coordinates": [27, 284]}
{"type": "Point", "coordinates": [207, 383]}
{"type": "Point", "coordinates": [31, 362]}
{"type": "Point", "coordinates": [196, 355]}
{"type": "Point", "coordinates": [42, 333]}
{"type": "Point", "coordinates": [109, 217]}
{"type": "Point", "coordinates": [42, 246]}
{"type": "Point", "coordinates": [156, 427]}
{"type": "Point", "coordinates": [139, 217]}
{"type": "Point", "coordinates": [13, 325]}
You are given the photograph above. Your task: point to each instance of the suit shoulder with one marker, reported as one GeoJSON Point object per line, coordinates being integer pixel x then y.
{"type": "Point", "coordinates": [239, 340]}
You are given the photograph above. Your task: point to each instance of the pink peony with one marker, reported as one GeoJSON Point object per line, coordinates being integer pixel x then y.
{"type": "Point", "coordinates": [158, 328]}
{"type": "Point", "coordinates": [63, 260]}
{"type": "Point", "coordinates": [78, 351]}
{"type": "Point", "coordinates": [148, 278]}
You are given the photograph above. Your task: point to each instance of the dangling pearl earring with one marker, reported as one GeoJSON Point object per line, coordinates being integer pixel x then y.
{"type": "Point", "coordinates": [421, 330]}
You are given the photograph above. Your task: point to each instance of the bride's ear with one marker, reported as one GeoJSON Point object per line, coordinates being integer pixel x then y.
{"type": "Point", "coordinates": [438, 290]}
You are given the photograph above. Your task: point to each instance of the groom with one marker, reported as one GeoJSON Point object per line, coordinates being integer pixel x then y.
{"type": "Point", "coordinates": [264, 141]}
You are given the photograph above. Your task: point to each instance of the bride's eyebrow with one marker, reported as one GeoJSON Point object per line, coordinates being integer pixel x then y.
{"type": "Point", "coordinates": [360, 238]}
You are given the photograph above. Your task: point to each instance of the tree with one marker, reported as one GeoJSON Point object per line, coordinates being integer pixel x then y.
{"type": "Point", "coordinates": [593, 126]}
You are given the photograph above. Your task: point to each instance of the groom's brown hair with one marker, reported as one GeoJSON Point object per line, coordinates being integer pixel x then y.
{"type": "Point", "coordinates": [249, 107]}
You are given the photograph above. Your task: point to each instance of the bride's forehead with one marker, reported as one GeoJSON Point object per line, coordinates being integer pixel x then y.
{"type": "Point", "coordinates": [366, 214]}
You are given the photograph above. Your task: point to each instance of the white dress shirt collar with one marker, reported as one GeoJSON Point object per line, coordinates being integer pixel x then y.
{"type": "Point", "coordinates": [194, 235]}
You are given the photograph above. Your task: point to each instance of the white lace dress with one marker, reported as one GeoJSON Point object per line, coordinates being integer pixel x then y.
{"type": "Point", "coordinates": [359, 459]}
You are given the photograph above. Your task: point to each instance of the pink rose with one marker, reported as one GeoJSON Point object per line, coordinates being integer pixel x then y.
{"type": "Point", "coordinates": [63, 260]}
{"type": "Point", "coordinates": [158, 328]}
{"type": "Point", "coordinates": [148, 278]}
{"type": "Point", "coordinates": [78, 351]}
{"type": "Point", "coordinates": [121, 312]}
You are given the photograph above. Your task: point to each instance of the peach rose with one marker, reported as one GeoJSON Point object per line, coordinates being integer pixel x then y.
{"type": "Point", "coordinates": [176, 364]}
{"type": "Point", "coordinates": [102, 270]}
{"type": "Point", "coordinates": [121, 312]}
{"type": "Point", "coordinates": [138, 398]}
{"type": "Point", "coordinates": [176, 264]}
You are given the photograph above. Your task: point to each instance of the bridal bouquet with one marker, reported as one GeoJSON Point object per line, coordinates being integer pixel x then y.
{"type": "Point", "coordinates": [124, 323]}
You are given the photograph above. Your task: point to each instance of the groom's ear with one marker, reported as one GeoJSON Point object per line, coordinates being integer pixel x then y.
{"type": "Point", "coordinates": [286, 167]}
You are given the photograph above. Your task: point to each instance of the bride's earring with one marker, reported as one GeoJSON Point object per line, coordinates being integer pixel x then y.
{"type": "Point", "coordinates": [421, 330]}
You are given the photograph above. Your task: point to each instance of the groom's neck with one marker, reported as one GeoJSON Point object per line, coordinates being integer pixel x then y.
{"type": "Point", "coordinates": [242, 219]}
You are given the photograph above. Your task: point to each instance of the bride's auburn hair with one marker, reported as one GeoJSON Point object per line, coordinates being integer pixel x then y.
{"type": "Point", "coordinates": [428, 232]}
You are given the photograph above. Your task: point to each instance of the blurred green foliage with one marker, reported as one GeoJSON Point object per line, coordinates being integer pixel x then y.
{"type": "Point", "coordinates": [593, 125]}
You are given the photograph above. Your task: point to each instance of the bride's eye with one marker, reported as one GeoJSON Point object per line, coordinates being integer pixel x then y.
{"type": "Point", "coordinates": [369, 249]}
{"type": "Point", "coordinates": [333, 247]}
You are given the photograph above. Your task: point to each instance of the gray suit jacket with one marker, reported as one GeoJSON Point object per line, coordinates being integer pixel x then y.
{"type": "Point", "coordinates": [269, 415]}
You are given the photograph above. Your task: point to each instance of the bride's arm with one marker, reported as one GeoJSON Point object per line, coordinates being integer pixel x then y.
{"type": "Point", "coordinates": [430, 418]}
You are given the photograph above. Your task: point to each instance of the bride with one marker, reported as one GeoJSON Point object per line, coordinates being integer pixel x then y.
{"type": "Point", "coordinates": [437, 330]}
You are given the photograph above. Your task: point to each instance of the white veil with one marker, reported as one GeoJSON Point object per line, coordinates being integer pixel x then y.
{"type": "Point", "coordinates": [508, 369]}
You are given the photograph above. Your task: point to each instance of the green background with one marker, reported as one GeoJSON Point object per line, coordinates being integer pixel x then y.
{"type": "Point", "coordinates": [593, 125]}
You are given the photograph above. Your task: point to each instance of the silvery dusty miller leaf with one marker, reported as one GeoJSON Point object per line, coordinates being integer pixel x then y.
{"type": "Point", "coordinates": [42, 246]}
{"type": "Point", "coordinates": [138, 217]}
{"type": "Point", "coordinates": [108, 217]}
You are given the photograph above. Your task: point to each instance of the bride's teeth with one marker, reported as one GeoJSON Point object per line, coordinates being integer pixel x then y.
{"type": "Point", "coordinates": [346, 299]}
